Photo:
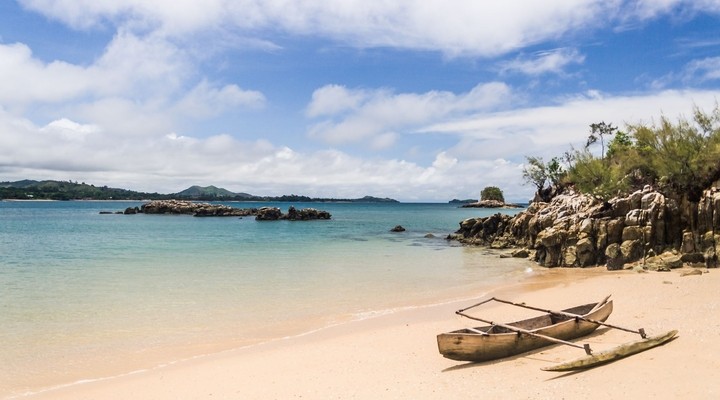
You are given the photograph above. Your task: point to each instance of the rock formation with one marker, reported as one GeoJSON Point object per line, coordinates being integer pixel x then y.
{"type": "Point", "coordinates": [220, 210]}
{"type": "Point", "coordinates": [575, 230]}
{"type": "Point", "coordinates": [490, 204]}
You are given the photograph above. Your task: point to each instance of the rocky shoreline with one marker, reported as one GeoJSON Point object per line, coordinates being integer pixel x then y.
{"type": "Point", "coordinates": [182, 207]}
{"type": "Point", "coordinates": [575, 230]}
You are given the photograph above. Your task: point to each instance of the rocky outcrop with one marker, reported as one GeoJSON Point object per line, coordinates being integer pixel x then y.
{"type": "Point", "coordinates": [195, 209]}
{"type": "Point", "coordinates": [575, 230]}
{"type": "Point", "coordinates": [306, 214]}
{"type": "Point", "coordinates": [220, 210]}
{"type": "Point", "coordinates": [490, 204]}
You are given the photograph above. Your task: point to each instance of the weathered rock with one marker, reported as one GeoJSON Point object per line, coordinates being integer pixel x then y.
{"type": "Point", "coordinates": [586, 255]}
{"type": "Point", "coordinates": [397, 228]}
{"type": "Point", "coordinates": [131, 211]}
{"type": "Point", "coordinates": [664, 261]}
{"type": "Point", "coordinates": [220, 210]}
{"type": "Point", "coordinates": [306, 214]}
{"type": "Point", "coordinates": [693, 258]}
{"type": "Point", "coordinates": [490, 204]}
{"type": "Point", "coordinates": [268, 214]}
{"type": "Point", "coordinates": [632, 233]}
{"type": "Point", "coordinates": [614, 257]}
{"type": "Point", "coordinates": [691, 272]}
{"type": "Point", "coordinates": [520, 253]}
{"type": "Point", "coordinates": [578, 230]}
{"type": "Point", "coordinates": [631, 250]}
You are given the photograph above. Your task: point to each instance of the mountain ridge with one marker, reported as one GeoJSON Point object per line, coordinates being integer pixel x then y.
{"type": "Point", "coordinates": [28, 189]}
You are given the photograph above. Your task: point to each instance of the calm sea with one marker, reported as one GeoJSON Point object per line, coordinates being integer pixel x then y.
{"type": "Point", "coordinates": [85, 296]}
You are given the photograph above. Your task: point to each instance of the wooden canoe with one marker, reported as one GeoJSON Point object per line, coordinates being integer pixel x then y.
{"type": "Point", "coordinates": [616, 353]}
{"type": "Point", "coordinates": [492, 342]}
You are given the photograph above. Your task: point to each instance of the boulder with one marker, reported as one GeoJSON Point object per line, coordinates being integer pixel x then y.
{"type": "Point", "coordinates": [631, 250]}
{"type": "Point", "coordinates": [268, 214]}
{"type": "Point", "coordinates": [586, 255]}
{"type": "Point", "coordinates": [397, 228]}
{"type": "Point", "coordinates": [520, 253]}
{"type": "Point", "coordinates": [665, 261]}
{"type": "Point", "coordinates": [614, 257]}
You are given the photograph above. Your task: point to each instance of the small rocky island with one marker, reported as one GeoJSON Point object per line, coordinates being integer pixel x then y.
{"type": "Point", "coordinates": [490, 204]}
{"type": "Point", "coordinates": [197, 209]}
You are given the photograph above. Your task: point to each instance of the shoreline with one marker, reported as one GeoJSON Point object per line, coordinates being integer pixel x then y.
{"type": "Point", "coordinates": [335, 322]}
{"type": "Point", "coordinates": [394, 355]}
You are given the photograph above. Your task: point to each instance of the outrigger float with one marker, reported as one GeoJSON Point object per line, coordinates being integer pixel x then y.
{"type": "Point", "coordinates": [498, 340]}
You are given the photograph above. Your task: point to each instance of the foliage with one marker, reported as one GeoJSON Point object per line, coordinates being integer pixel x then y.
{"type": "Point", "coordinates": [599, 131]}
{"type": "Point", "coordinates": [534, 172]}
{"type": "Point", "coordinates": [492, 193]}
{"type": "Point", "coordinates": [537, 173]}
{"type": "Point", "coordinates": [686, 154]}
{"type": "Point", "coordinates": [594, 176]}
{"type": "Point", "coordinates": [681, 158]}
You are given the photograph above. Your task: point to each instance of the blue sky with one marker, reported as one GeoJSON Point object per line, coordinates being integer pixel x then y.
{"type": "Point", "coordinates": [416, 100]}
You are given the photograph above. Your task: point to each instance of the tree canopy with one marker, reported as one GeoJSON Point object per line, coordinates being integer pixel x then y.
{"type": "Point", "coordinates": [492, 193]}
{"type": "Point", "coordinates": [680, 158]}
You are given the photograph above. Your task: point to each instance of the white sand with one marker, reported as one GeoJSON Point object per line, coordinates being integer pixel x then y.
{"type": "Point", "coordinates": [395, 356]}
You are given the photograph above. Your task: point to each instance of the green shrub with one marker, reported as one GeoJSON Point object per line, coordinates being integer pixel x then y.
{"type": "Point", "coordinates": [492, 193]}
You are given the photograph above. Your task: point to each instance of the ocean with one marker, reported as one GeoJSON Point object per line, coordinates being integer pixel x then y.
{"type": "Point", "coordinates": [85, 296]}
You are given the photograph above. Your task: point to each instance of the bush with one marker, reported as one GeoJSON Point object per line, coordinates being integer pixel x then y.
{"type": "Point", "coordinates": [492, 193]}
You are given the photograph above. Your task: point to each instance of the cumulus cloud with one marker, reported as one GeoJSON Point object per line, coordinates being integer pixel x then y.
{"type": "Point", "coordinates": [205, 100]}
{"type": "Point", "coordinates": [362, 115]}
{"type": "Point", "coordinates": [489, 149]}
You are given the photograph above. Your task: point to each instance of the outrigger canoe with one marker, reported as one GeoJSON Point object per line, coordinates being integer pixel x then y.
{"type": "Point", "coordinates": [503, 340]}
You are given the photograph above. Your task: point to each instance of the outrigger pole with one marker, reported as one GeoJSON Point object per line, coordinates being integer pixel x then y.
{"type": "Point", "coordinates": [640, 331]}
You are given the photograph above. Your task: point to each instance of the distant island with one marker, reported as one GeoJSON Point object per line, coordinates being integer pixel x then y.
{"type": "Point", "coordinates": [466, 201]}
{"type": "Point", "coordinates": [68, 190]}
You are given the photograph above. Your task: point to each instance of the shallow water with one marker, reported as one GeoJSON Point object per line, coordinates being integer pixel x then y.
{"type": "Point", "coordinates": [84, 295]}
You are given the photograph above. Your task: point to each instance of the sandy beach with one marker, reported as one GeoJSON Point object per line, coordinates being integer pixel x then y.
{"type": "Point", "coordinates": [395, 356]}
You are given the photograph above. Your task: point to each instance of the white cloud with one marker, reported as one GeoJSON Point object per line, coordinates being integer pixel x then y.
{"type": "Point", "coordinates": [375, 115]}
{"type": "Point", "coordinates": [702, 70]}
{"type": "Point", "coordinates": [552, 61]}
{"type": "Point", "coordinates": [68, 149]}
{"type": "Point", "coordinates": [207, 101]}
{"type": "Point", "coordinates": [550, 130]}
{"type": "Point", "coordinates": [454, 28]}
{"type": "Point", "coordinates": [334, 99]}
{"type": "Point", "coordinates": [26, 79]}
{"type": "Point", "coordinates": [647, 9]}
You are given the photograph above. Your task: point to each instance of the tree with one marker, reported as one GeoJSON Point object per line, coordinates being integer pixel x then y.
{"type": "Point", "coordinates": [534, 172]}
{"type": "Point", "coordinates": [492, 193]}
{"type": "Point", "coordinates": [599, 131]}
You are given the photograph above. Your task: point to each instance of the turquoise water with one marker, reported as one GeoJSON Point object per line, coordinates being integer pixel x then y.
{"type": "Point", "coordinates": [84, 295]}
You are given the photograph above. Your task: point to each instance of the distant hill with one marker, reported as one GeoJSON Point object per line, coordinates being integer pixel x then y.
{"type": "Point", "coordinates": [68, 190]}
{"type": "Point", "coordinates": [209, 191]}
{"type": "Point", "coordinates": [466, 201]}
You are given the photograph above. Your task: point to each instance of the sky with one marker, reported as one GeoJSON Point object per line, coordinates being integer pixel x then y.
{"type": "Point", "coordinates": [417, 100]}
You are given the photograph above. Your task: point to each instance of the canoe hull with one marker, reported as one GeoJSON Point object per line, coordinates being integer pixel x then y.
{"type": "Point", "coordinates": [466, 345]}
